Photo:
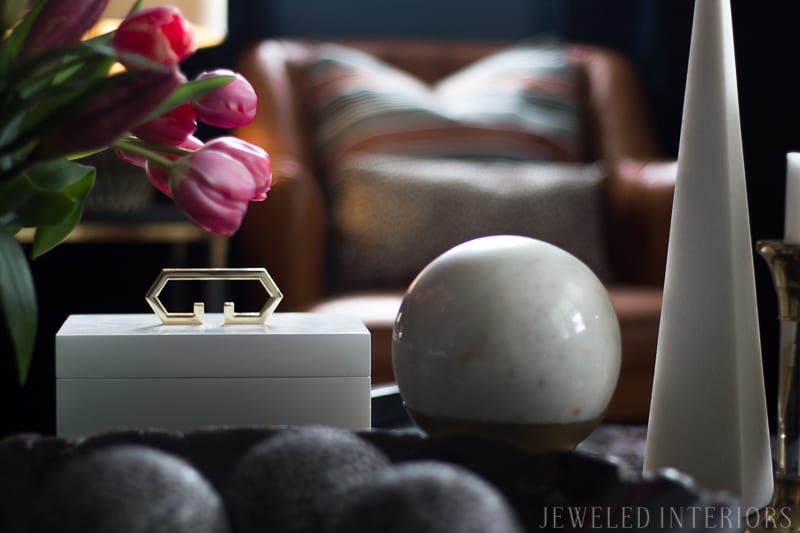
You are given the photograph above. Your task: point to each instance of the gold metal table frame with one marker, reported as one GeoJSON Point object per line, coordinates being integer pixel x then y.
{"type": "Point", "coordinates": [178, 234]}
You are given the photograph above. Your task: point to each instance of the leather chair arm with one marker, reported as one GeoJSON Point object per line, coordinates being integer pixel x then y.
{"type": "Point", "coordinates": [641, 183]}
{"type": "Point", "coordinates": [640, 209]}
{"type": "Point", "coordinates": [618, 119]}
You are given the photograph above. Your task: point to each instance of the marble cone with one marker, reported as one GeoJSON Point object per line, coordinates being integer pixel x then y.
{"type": "Point", "coordinates": [708, 415]}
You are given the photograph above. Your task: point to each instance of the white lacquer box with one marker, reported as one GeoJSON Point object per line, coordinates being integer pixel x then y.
{"type": "Point", "coordinates": [130, 371]}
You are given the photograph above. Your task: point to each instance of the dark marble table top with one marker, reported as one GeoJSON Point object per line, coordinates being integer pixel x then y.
{"type": "Point", "coordinates": [625, 442]}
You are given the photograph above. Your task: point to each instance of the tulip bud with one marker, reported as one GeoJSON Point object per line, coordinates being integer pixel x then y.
{"type": "Point", "coordinates": [231, 106]}
{"type": "Point", "coordinates": [255, 159]}
{"type": "Point", "coordinates": [61, 23]}
{"type": "Point", "coordinates": [160, 34]}
{"type": "Point", "coordinates": [213, 189]}
{"type": "Point", "coordinates": [109, 114]}
{"type": "Point", "coordinates": [171, 128]}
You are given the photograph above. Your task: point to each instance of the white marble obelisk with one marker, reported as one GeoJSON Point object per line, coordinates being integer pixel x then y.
{"type": "Point", "coordinates": [708, 415]}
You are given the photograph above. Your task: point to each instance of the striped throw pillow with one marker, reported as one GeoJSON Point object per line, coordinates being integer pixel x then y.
{"type": "Point", "coordinates": [520, 103]}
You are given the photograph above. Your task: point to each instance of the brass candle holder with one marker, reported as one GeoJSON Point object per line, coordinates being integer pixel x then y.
{"type": "Point", "coordinates": [783, 511]}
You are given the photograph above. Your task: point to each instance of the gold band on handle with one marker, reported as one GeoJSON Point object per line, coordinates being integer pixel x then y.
{"type": "Point", "coordinates": [274, 295]}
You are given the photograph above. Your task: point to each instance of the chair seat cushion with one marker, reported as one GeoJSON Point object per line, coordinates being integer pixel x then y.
{"type": "Point", "coordinates": [392, 215]}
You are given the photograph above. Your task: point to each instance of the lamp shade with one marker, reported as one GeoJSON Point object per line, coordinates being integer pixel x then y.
{"type": "Point", "coordinates": [208, 17]}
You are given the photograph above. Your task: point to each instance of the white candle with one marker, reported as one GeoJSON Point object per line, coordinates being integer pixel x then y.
{"type": "Point", "coordinates": [699, 369]}
{"type": "Point", "coordinates": [791, 228]}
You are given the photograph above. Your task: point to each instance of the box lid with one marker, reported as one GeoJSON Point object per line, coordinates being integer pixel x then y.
{"type": "Point", "coordinates": [139, 346]}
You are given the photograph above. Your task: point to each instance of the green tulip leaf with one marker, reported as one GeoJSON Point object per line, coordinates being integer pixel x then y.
{"type": "Point", "coordinates": [48, 194]}
{"type": "Point", "coordinates": [58, 174]}
{"type": "Point", "coordinates": [83, 72]}
{"type": "Point", "coordinates": [18, 301]}
{"type": "Point", "coordinates": [49, 236]}
{"type": "Point", "coordinates": [139, 62]}
{"type": "Point", "coordinates": [79, 65]}
{"type": "Point", "coordinates": [11, 45]}
{"type": "Point", "coordinates": [24, 204]}
{"type": "Point", "coordinates": [98, 67]}
{"type": "Point", "coordinates": [11, 155]}
{"type": "Point", "coordinates": [191, 90]}
{"type": "Point", "coordinates": [44, 207]}
{"type": "Point", "coordinates": [11, 126]}
{"type": "Point", "coordinates": [100, 44]}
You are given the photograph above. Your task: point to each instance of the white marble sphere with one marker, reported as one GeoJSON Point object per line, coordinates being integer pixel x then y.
{"type": "Point", "coordinates": [509, 330]}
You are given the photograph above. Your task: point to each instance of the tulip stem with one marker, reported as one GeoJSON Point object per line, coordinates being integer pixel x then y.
{"type": "Point", "coordinates": [138, 148]}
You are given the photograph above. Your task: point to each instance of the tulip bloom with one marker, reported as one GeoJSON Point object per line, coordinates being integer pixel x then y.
{"type": "Point", "coordinates": [61, 23]}
{"type": "Point", "coordinates": [255, 159]}
{"type": "Point", "coordinates": [213, 189]}
{"type": "Point", "coordinates": [160, 34]}
{"type": "Point", "coordinates": [231, 106]}
{"type": "Point", "coordinates": [171, 128]}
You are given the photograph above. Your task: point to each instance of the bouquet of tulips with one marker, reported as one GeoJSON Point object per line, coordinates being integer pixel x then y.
{"type": "Point", "coordinates": [63, 96]}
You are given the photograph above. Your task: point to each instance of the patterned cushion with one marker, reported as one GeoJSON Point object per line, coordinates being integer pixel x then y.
{"type": "Point", "coordinates": [519, 103]}
{"type": "Point", "coordinates": [393, 215]}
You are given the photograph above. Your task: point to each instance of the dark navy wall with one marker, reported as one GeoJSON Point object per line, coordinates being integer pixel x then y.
{"type": "Point", "coordinates": [495, 19]}
{"type": "Point", "coordinates": [654, 35]}
{"type": "Point", "coordinates": [250, 20]}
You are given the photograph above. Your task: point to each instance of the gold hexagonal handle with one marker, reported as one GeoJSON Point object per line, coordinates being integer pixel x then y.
{"type": "Point", "coordinates": [274, 295]}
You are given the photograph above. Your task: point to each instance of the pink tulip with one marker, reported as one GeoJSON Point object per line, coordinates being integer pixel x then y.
{"type": "Point", "coordinates": [171, 128]}
{"type": "Point", "coordinates": [213, 189]}
{"type": "Point", "coordinates": [61, 23]}
{"type": "Point", "coordinates": [159, 175]}
{"type": "Point", "coordinates": [255, 159]}
{"type": "Point", "coordinates": [231, 106]}
{"type": "Point", "coordinates": [160, 34]}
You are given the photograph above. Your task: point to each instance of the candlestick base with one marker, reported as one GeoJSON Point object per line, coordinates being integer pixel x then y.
{"type": "Point", "coordinates": [783, 511]}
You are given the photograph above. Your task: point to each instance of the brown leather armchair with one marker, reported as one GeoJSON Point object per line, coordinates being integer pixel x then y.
{"type": "Point", "coordinates": [287, 233]}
